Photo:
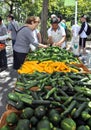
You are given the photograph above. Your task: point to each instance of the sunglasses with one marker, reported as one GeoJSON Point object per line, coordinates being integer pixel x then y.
{"type": "Point", "coordinates": [37, 21]}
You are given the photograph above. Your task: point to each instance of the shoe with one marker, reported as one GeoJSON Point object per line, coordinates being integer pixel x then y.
{"type": "Point", "coordinates": [3, 68]}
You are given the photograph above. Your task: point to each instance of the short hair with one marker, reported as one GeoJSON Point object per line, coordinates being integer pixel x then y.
{"type": "Point", "coordinates": [53, 15]}
{"type": "Point", "coordinates": [54, 20]}
{"type": "Point", "coordinates": [11, 16]}
{"type": "Point", "coordinates": [31, 19]}
{"type": "Point", "coordinates": [0, 18]}
{"type": "Point", "coordinates": [84, 16]}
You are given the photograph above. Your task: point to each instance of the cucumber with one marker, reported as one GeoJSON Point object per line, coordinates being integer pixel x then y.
{"type": "Point", "coordinates": [12, 96]}
{"type": "Point", "coordinates": [69, 109]}
{"type": "Point", "coordinates": [18, 105]}
{"type": "Point", "coordinates": [80, 109]}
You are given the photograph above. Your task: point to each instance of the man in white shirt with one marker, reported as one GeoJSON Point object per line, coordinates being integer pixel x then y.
{"type": "Point", "coordinates": [82, 34]}
{"type": "Point", "coordinates": [56, 34]}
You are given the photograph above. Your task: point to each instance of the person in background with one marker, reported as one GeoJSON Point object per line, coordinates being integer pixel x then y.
{"type": "Point", "coordinates": [82, 34]}
{"type": "Point", "coordinates": [13, 27]}
{"type": "Point", "coordinates": [75, 33]}
{"type": "Point", "coordinates": [24, 39]}
{"type": "Point", "coordinates": [63, 24]}
{"type": "Point", "coordinates": [37, 35]}
{"type": "Point", "coordinates": [56, 34]}
{"type": "Point", "coordinates": [53, 16]}
{"type": "Point", "coordinates": [3, 37]}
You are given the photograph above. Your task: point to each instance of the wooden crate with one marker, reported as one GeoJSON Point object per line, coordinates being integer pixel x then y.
{"type": "Point", "coordinates": [84, 69]}
{"type": "Point", "coordinates": [9, 109]}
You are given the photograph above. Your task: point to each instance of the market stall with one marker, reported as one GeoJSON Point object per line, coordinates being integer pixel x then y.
{"type": "Point", "coordinates": [53, 91]}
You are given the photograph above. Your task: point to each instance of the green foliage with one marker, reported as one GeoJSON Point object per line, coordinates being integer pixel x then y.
{"type": "Point", "coordinates": [21, 8]}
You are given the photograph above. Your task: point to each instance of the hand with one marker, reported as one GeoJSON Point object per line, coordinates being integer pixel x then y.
{"type": "Point", "coordinates": [56, 44]}
{"type": "Point", "coordinates": [45, 46]}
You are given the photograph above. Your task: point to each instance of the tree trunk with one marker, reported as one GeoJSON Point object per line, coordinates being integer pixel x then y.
{"type": "Point", "coordinates": [44, 17]}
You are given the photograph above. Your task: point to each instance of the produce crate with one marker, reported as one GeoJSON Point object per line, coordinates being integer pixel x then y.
{"type": "Point", "coordinates": [9, 109]}
{"type": "Point", "coordinates": [84, 69]}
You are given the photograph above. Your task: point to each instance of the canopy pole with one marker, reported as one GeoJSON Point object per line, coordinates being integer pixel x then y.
{"type": "Point", "coordinates": [76, 11]}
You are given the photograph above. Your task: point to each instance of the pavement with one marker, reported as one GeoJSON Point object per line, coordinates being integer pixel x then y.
{"type": "Point", "coordinates": [8, 77]}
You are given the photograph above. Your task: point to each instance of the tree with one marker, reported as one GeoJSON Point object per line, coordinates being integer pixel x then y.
{"type": "Point", "coordinates": [44, 17]}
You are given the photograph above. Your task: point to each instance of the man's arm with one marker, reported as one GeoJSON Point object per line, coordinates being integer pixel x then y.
{"type": "Point", "coordinates": [4, 37]}
{"type": "Point", "coordinates": [60, 42]}
{"type": "Point", "coordinates": [50, 41]}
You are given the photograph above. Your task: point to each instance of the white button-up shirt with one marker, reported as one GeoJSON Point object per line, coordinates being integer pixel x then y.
{"type": "Point", "coordinates": [57, 35]}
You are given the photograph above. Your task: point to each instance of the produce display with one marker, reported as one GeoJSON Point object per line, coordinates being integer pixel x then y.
{"type": "Point", "coordinates": [46, 66]}
{"type": "Point", "coordinates": [62, 99]}
{"type": "Point", "coordinates": [52, 53]}
{"type": "Point", "coordinates": [51, 99]}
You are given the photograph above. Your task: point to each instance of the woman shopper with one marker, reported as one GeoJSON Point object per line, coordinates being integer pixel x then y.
{"type": "Point", "coordinates": [24, 40]}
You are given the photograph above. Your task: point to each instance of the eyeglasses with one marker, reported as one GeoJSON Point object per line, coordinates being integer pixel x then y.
{"type": "Point", "coordinates": [37, 21]}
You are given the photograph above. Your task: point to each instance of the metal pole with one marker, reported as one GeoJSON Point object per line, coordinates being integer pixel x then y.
{"type": "Point", "coordinates": [76, 12]}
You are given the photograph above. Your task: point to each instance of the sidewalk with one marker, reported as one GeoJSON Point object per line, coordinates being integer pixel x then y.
{"type": "Point", "coordinates": [7, 80]}
{"type": "Point", "coordinates": [8, 77]}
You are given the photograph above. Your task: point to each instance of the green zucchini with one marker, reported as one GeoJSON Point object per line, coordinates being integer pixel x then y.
{"type": "Point", "coordinates": [62, 93]}
{"type": "Point", "coordinates": [86, 91]}
{"type": "Point", "coordinates": [69, 109]}
{"type": "Point", "coordinates": [80, 109]}
{"type": "Point", "coordinates": [51, 92]}
{"type": "Point", "coordinates": [69, 85]}
{"type": "Point", "coordinates": [56, 97]}
{"type": "Point", "coordinates": [12, 96]}
{"type": "Point", "coordinates": [68, 101]}
{"type": "Point", "coordinates": [41, 102]}
{"type": "Point", "coordinates": [18, 105]}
